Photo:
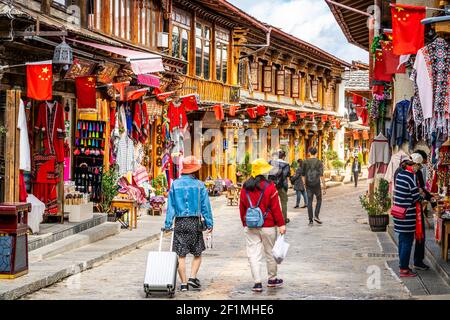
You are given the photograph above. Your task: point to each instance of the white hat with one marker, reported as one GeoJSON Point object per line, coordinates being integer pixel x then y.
{"type": "Point", "coordinates": [417, 158]}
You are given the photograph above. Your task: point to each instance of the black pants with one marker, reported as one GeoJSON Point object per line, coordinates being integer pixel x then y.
{"type": "Point", "coordinates": [419, 249]}
{"type": "Point", "coordinates": [355, 177]}
{"type": "Point", "coordinates": [311, 192]}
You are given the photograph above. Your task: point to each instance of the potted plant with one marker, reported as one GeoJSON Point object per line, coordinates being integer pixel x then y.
{"type": "Point", "coordinates": [337, 165]}
{"type": "Point", "coordinates": [244, 169]}
{"type": "Point", "coordinates": [109, 189]}
{"type": "Point", "coordinates": [377, 206]}
{"type": "Point", "coordinates": [160, 185]}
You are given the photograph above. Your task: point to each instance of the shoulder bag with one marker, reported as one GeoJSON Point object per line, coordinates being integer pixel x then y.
{"type": "Point", "coordinates": [201, 221]}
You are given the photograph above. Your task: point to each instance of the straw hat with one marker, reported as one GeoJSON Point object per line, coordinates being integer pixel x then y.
{"type": "Point", "coordinates": [190, 165]}
{"type": "Point", "coordinates": [260, 167]}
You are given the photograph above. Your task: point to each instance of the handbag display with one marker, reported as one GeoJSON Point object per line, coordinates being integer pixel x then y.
{"type": "Point", "coordinates": [398, 212]}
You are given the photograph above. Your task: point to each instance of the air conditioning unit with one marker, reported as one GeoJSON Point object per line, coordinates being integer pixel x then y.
{"type": "Point", "coordinates": [162, 40]}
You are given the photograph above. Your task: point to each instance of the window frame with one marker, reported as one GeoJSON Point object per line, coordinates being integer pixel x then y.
{"type": "Point", "coordinates": [182, 20]}
{"type": "Point", "coordinates": [222, 40]}
{"type": "Point", "coordinates": [203, 41]}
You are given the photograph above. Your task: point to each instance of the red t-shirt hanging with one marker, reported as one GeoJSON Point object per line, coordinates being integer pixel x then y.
{"type": "Point", "coordinates": [177, 117]}
{"type": "Point", "coordinates": [50, 121]}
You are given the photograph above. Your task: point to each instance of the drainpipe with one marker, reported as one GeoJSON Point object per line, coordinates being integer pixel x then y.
{"type": "Point", "coordinates": [260, 46]}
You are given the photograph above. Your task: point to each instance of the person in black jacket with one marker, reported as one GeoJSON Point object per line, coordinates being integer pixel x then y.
{"type": "Point", "coordinates": [356, 169]}
{"type": "Point", "coordinates": [280, 174]}
{"type": "Point", "coordinates": [299, 186]}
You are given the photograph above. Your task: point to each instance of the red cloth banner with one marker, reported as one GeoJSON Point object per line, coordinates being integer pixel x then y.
{"type": "Point", "coordinates": [39, 80]}
{"type": "Point", "coordinates": [358, 100]}
{"type": "Point", "coordinates": [292, 116]}
{"type": "Point", "coordinates": [324, 118]}
{"type": "Point", "coordinates": [407, 30]}
{"type": "Point", "coordinates": [218, 112]}
{"type": "Point", "coordinates": [160, 96]}
{"type": "Point", "coordinates": [136, 94]}
{"type": "Point", "coordinates": [232, 110]}
{"type": "Point", "coordinates": [85, 87]}
{"type": "Point", "coordinates": [303, 115]}
{"type": "Point", "coordinates": [261, 110]}
{"type": "Point", "coordinates": [252, 112]}
{"type": "Point", "coordinates": [190, 102]}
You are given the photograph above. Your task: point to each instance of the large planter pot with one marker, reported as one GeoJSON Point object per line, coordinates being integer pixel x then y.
{"type": "Point", "coordinates": [336, 178]}
{"type": "Point", "coordinates": [379, 223]}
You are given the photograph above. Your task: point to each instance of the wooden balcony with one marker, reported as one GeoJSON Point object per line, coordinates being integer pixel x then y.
{"type": "Point", "coordinates": [211, 91]}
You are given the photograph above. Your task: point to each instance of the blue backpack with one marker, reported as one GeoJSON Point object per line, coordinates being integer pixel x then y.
{"type": "Point", "coordinates": [254, 218]}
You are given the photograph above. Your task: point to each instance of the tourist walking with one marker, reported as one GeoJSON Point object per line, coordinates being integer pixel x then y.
{"type": "Point", "coordinates": [406, 197]}
{"type": "Point", "coordinates": [356, 169]}
{"type": "Point", "coordinates": [259, 192]}
{"type": "Point", "coordinates": [279, 175]}
{"type": "Point", "coordinates": [312, 172]}
{"type": "Point", "coordinates": [188, 205]}
{"type": "Point", "coordinates": [299, 186]}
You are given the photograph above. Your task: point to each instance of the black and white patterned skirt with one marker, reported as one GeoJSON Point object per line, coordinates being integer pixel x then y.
{"type": "Point", "coordinates": [187, 238]}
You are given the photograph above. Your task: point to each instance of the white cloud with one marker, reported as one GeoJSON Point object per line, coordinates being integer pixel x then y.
{"type": "Point", "coordinates": [309, 20]}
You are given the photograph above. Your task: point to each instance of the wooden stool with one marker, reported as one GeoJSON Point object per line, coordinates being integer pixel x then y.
{"type": "Point", "coordinates": [444, 242]}
{"type": "Point", "coordinates": [132, 210]}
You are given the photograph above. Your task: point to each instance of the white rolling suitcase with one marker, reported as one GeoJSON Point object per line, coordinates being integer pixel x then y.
{"type": "Point", "coordinates": [161, 271]}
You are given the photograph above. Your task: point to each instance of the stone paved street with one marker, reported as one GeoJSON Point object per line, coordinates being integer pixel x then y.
{"type": "Point", "coordinates": [332, 261]}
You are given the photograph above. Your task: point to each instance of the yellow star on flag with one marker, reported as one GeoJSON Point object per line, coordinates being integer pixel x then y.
{"type": "Point", "coordinates": [90, 79]}
{"type": "Point", "coordinates": [45, 70]}
{"type": "Point", "coordinates": [399, 9]}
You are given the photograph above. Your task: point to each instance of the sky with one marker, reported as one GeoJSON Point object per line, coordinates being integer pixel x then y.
{"type": "Point", "coordinates": [309, 20]}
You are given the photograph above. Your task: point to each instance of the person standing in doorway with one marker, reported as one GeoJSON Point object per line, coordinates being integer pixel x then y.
{"type": "Point", "coordinates": [188, 204]}
{"type": "Point", "coordinates": [262, 193]}
{"type": "Point", "coordinates": [299, 186]}
{"type": "Point", "coordinates": [356, 169]}
{"type": "Point", "coordinates": [279, 174]}
{"type": "Point", "coordinates": [312, 173]}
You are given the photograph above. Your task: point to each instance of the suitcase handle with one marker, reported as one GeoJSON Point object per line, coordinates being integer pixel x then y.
{"type": "Point", "coordinates": [162, 236]}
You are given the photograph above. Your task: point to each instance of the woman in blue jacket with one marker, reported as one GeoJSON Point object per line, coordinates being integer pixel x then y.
{"type": "Point", "coordinates": [188, 202]}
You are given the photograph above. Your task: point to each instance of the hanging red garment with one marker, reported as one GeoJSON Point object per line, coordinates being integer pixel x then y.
{"type": "Point", "coordinates": [379, 73]}
{"type": "Point", "coordinates": [86, 91]}
{"type": "Point", "coordinates": [407, 30]}
{"type": "Point", "coordinates": [190, 102]}
{"type": "Point", "coordinates": [303, 115]}
{"type": "Point", "coordinates": [112, 118]}
{"type": "Point", "coordinates": [136, 94]}
{"type": "Point", "coordinates": [137, 122]}
{"type": "Point", "coordinates": [324, 118]}
{"type": "Point", "coordinates": [218, 112]}
{"type": "Point", "coordinates": [292, 116]}
{"type": "Point", "coordinates": [39, 80]}
{"type": "Point", "coordinates": [419, 222]}
{"type": "Point", "coordinates": [45, 179]}
{"type": "Point", "coordinates": [50, 121]}
{"type": "Point", "coordinates": [120, 86]}
{"type": "Point", "coordinates": [22, 188]}
{"type": "Point", "coordinates": [145, 124]}
{"type": "Point", "coordinates": [177, 117]}
{"type": "Point", "coordinates": [357, 100]}
{"type": "Point", "coordinates": [281, 112]}
{"type": "Point", "coordinates": [390, 60]}
{"type": "Point", "coordinates": [261, 110]}
{"type": "Point", "coordinates": [251, 112]}
{"type": "Point", "coordinates": [379, 90]}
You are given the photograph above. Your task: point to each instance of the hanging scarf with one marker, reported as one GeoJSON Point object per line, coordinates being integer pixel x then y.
{"type": "Point", "coordinates": [419, 223]}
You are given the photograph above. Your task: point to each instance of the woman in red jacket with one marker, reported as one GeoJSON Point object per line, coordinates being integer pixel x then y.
{"type": "Point", "coordinates": [260, 241]}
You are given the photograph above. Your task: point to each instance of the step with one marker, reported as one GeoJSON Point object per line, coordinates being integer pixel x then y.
{"type": "Point", "coordinates": [78, 240]}
{"type": "Point", "coordinates": [51, 233]}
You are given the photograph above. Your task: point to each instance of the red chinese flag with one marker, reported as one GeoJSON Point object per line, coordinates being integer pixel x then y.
{"type": "Point", "coordinates": [261, 110]}
{"type": "Point", "coordinates": [292, 116]}
{"type": "Point", "coordinates": [358, 100]}
{"type": "Point", "coordinates": [218, 112]}
{"type": "Point", "coordinates": [407, 30]}
{"type": "Point", "coordinates": [190, 102]}
{"type": "Point", "coordinates": [390, 60]}
{"type": "Point", "coordinates": [379, 73]}
{"type": "Point", "coordinates": [85, 87]}
{"type": "Point", "coordinates": [232, 110]}
{"type": "Point", "coordinates": [252, 112]}
{"type": "Point", "coordinates": [39, 80]}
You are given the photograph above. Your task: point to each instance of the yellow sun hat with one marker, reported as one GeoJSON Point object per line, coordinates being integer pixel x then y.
{"type": "Point", "coordinates": [260, 167]}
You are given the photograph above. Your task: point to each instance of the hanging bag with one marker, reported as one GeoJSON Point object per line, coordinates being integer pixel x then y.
{"type": "Point", "coordinates": [201, 221]}
{"type": "Point", "coordinates": [398, 212]}
{"type": "Point", "coordinates": [254, 218]}
{"type": "Point", "coordinates": [280, 249]}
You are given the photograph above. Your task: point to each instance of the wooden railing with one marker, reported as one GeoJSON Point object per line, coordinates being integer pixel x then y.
{"type": "Point", "coordinates": [211, 91]}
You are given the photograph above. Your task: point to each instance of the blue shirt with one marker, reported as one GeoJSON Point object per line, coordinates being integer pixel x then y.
{"type": "Point", "coordinates": [188, 197]}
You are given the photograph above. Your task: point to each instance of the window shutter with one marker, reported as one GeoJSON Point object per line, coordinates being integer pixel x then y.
{"type": "Point", "coordinates": [267, 79]}
{"type": "Point", "coordinates": [280, 82]}
{"type": "Point", "coordinates": [295, 86]}
{"type": "Point", "coordinates": [254, 74]}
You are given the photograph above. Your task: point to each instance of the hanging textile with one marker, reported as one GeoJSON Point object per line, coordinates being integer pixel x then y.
{"type": "Point", "coordinates": [45, 174]}
{"type": "Point", "coordinates": [218, 112]}
{"type": "Point", "coordinates": [379, 157]}
{"type": "Point", "coordinates": [177, 116]}
{"type": "Point", "coordinates": [232, 111]}
{"type": "Point", "coordinates": [190, 102]}
{"type": "Point", "coordinates": [24, 144]}
{"type": "Point", "coordinates": [125, 147]}
{"type": "Point", "coordinates": [261, 110]}
{"type": "Point", "coordinates": [407, 30]}
{"type": "Point", "coordinates": [251, 112]}
{"type": "Point", "coordinates": [86, 91]}
{"type": "Point", "coordinates": [292, 116]}
{"type": "Point", "coordinates": [399, 127]}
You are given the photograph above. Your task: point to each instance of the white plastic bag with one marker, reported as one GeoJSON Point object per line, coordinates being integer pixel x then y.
{"type": "Point", "coordinates": [280, 249]}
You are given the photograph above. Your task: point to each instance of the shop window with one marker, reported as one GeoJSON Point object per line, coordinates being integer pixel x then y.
{"type": "Point", "coordinates": [243, 73]}
{"type": "Point", "coordinates": [222, 44]}
{"type": "Point", "coordinates": [202, 50]}
{"type": "Point", "coordinates": [314, 90]}
{"type": "Point", "coordinates": [288, 83]}
{"type": "Point", "coordinates": [296, 82]}
{"type": "Point", "coordinates": [281, 89]}
{"type": "Point", "coordinates": [267, 85]}
{"type": "Point", "coordinates": [254, 75]}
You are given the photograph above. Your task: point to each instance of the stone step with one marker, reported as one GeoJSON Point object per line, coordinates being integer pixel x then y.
{"type": "Point", "coordinates": [78, 240]}
{"type": "Point", "coordinates": [55, 232]}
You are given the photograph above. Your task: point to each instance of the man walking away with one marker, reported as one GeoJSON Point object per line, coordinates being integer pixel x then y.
{"type": "Point", "coordinates": [356, 169]}
{"type": "Point", "coordinates": [312, 173]}
{"type": "Point", "coordinates": [299, 186]}
{"type": "Point", "coordinates": [279, 175]}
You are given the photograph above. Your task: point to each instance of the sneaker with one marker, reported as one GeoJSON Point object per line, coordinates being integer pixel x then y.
{"type": "Point", "coordinates": [257, 287]}
{"type": "Point", "coordinates": [303, 207]}
{"type": "Point", "coordinates": [317, 220]}
{"type": "Point", "coordinates": [407, 273]}
{"type": "Point", "coordinates": [422, 266]}
{"type": "Point", "coordinates": [310, 223]}
{"type": "Point", "coordinates": [296, 207]}
{"type": "Point", "coordinates": [274, 283]}
{"type": "Point", "coordinates": [194, 283]}
{"type": "Point", "coordinates": [184, 287]}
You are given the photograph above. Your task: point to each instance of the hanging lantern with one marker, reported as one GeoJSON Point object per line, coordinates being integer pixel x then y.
{"type": "Point", "coordinates": [63, 54]}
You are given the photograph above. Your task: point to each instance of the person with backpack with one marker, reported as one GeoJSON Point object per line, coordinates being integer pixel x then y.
{"type": "Point", "coordinates": [280, 174]}
{"type": "Point", "coordinates": [312, 173]}
{"type": "Point", "coordinates": [299, 186]}
{"type": "Point", "coordinates": [261, 215]}
{"type": "Point", "coordinates": [188, 206]}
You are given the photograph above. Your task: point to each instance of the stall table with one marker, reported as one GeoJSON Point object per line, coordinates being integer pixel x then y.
{"type": "Point", "coordinates": [131, 206]}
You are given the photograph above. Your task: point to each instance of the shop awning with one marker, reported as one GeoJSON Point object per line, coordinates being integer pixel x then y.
{"type": "Point", "coordinates": [141, 62]}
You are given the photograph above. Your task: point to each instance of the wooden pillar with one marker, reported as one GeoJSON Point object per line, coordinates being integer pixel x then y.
{"type": "Point", "coordinates": [12, 146]}
{"type": "Point", "coordinates": [45, 6]}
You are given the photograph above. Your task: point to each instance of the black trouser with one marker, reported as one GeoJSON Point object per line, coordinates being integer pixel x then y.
{"type": "Point", "coordinates": [311, 192]}
{"type": "Point", "coordinates": [419, 249]}
{"type": "Point", "coordinates": [355, 176]}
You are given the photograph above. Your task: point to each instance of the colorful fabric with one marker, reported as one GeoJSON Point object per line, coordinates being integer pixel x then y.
{"type": "Point", "coordinates": [24, 144]}
{"type": "Point", "coordinates": [177, 116]}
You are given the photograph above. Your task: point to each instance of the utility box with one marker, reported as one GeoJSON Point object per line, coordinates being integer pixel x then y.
{"type": "Point", "coordinates": [13, 239]}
